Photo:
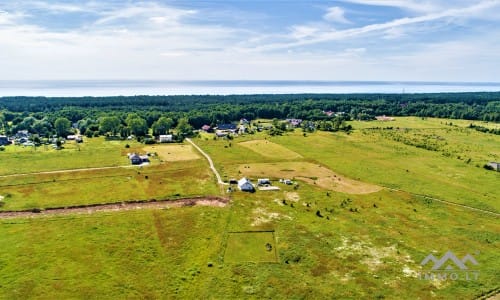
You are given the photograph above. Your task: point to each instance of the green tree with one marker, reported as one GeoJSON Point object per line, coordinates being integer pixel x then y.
{"type": "Point", "coordinates": [109, 124]}
{"type": "Point", "coordinates": [62, 126]}
{"type": "Point", "coordinates": [184, 128]}
{"type": "Point", "coordinates": [137, 125]}
{"type": "Point", "coordinates": [162, 125]}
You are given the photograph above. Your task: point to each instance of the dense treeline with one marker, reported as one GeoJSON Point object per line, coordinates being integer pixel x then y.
{"type": "Point", "coordinates": [140, 113]}
{"type": "Point", "coordinates": [473, 106]}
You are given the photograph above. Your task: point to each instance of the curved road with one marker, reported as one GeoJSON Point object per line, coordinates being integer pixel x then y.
{"type": "Point", "coordinates": [212, 167]}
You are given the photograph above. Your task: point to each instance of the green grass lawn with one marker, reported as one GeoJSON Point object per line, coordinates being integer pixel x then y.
{"type": "Point", "coordinates": [94, 152]}
{"type": "Point", "coordinates": [254, 247]}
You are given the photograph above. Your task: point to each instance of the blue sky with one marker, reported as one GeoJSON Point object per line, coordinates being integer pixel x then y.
{"type": "Point", "coordinates": [440, 40]}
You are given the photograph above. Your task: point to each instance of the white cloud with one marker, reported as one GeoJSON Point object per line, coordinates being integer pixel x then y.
{"type": "Point", "coordinates": [335, 14]}
{"type": "Point", "coordinates": [321, 36]}
{"type": "Point", "coordinates": [420, 6]}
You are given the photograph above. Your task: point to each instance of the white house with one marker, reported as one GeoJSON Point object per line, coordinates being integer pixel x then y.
{"type": "Point", "coordinates": [165, 138]}
{"type": "Point", "coordinates": [245, 185]}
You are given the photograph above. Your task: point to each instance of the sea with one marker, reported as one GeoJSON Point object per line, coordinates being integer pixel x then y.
{"type": "Point", "coordinates": [79, 88]}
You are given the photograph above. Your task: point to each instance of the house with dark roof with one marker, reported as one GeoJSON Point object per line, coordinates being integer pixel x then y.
{"type": "Point", "coordinates": [226, 127]}
{"type": "Point", "coordinates": [4, 140]}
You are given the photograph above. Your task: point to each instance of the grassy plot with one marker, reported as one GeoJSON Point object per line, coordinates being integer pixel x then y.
{"type": "Point", "coordinates": [174, 152]}
{"type": "Point", "coordinates": [171, 180]}
{"type": "Point", "coordinates": [370, 157]}
{"type": "Point", "coordinates": [310, 173]}
{"type": "Point", "coordinates": [270, 149]}
{"type": "Point", "coordinates": [250, 247]}
{"type": "Point", "coordinates": [95, 152]}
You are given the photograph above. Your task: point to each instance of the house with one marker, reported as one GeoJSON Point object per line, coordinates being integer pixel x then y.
{"type": "Point", "coordinates": [294, 122]}
{"type": "Point", "coordinates": [227, 127]}
{"type": "Point", "coordinates": [494, 165]}
{"type": "Point", "coordinates": [137, 159]}
{"type": "Point", "coordinates": [384, 118]}
{"type": "Point", "coordinates": [244, 121]}
{"type": "Point", "coordinates": [4, 140]}
{"type": "Point", "coordinates": [263, 181]}
{"type": "Point", "coordinates": [242, 129]}
{"type": "Point", "coordinates": [165, 138]}
{"type": "Point", "coordinates": [206, 128]}
{"type": "Point", "coordinates": [245, 185]}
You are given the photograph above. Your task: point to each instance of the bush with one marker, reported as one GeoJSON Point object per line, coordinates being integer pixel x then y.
{"type": "Point", "coordinates": [127, 146]}
{"type": "Point", "coordinates": [2, 148]}
{"type": "Point", "coordinates": [149, 141]}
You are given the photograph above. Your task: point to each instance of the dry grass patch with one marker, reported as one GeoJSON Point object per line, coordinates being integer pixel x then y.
{"type": "Point", "coordinates": [174, 152]}
{"type": "Point", "coordinates": [270, 149]}
{"type": "Point", "coordinates": [310, 173]}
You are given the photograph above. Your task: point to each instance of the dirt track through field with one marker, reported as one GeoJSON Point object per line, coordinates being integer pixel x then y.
{"type": "Point", "coordinates": [113, 207]}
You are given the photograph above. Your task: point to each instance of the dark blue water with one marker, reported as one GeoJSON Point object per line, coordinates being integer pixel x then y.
{"type": "Point", "coordinates": [225, 87]}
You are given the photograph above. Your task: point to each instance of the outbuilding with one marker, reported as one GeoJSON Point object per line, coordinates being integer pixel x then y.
{"type": "Point", "coordinates": [245, 185]}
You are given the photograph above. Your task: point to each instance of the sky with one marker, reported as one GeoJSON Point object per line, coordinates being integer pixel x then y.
{"type": "Point", "coordinates": [373, 40]}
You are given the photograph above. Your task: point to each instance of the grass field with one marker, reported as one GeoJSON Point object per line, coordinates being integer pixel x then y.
{"type": "Point", "coordinates": [182, 174]}
{"type": "Point", "coordinates": [174, 152]}
{"type": "Point", "coordinates": [307, 172]}
{"type": "Point", "coordinates": [328, 243]}
{"type": "Point", "coordinates": [256, 247]}
{"type": "Point", "coordinates": [269, 149]}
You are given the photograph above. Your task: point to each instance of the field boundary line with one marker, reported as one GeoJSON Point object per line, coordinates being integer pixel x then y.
{"type": "Point", "coordinates": [68, 171]}
{"type": "Point", "coordinates": [448, 202]}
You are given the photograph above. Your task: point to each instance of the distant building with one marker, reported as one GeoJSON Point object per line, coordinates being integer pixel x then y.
{"type": "Point", "coordinates": [137, 159]}
{"type": "Point", "coordinates": [494, 165]}
{"type": "Point", "coordinates": [294, 122]}
{"type": "Point", "coordinates": [262, 181]}
{"type": "Point", "coordinates": [4, 140]}
{"type": "Point", "coordinates": [165, 138]}
{"type": "Point", "coordinates": [384, 118]}
{"type": "Point", "coordinates": [245, 185]}
{"type": "Point", "coordinates": [228, 127]}
{"type": "Point", "coordinates": [206, 128]}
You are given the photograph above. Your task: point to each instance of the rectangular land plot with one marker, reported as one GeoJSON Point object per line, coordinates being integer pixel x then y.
{"type": "Point", "coordinates": [257, 247]}
{"type": "Point", "coordinates": [270, 149]}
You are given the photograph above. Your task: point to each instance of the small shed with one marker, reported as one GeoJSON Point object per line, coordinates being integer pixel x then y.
{"type": "Point", "coordinates": [263, 181]}
{"type": "Point", "coordinates": [245, 185]}
{"type": "Point", "coordinates": [494, 165]}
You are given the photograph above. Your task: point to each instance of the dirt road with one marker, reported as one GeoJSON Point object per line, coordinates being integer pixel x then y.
{"type": "Point", "coordinates": [112, 207]}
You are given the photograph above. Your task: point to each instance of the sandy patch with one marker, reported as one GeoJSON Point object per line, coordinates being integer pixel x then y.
{"type": "Point", "coordinates": [270, 149]}
{"type": "Point", "coordinates": [174, 152]}
{"type": "Point", "coordinates": [262, 216]}
{"type": "Point", "coordinates": [310, 173]}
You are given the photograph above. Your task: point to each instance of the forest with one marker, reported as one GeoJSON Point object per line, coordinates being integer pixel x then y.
{"type": "Point", "coordinates": [125, 115]}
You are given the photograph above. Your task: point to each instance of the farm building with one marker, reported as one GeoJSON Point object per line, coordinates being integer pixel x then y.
{"type": "Point", "coordinates": [262, 181]}
{"type": "Point", "coordinates": [165, 138]}
{"type": "Point", "coordinates": [245, 185]}
{"type": "Point", "coordinates": [137, 159]}
{"type": "Point", "coordinates": [206, 128]}
{"type": "Point", "coordinates": [494, 165]}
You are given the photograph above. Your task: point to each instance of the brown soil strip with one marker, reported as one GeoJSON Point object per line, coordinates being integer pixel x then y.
{"type": "Point", "coordinates": [120, 206]}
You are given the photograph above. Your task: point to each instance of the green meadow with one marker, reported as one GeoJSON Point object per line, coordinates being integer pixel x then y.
{"type": "Point", "coordinates": [306, 241]}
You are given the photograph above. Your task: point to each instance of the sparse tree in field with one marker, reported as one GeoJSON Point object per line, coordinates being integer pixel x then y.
{"type": "Point", "coordinates": [62, 126]}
